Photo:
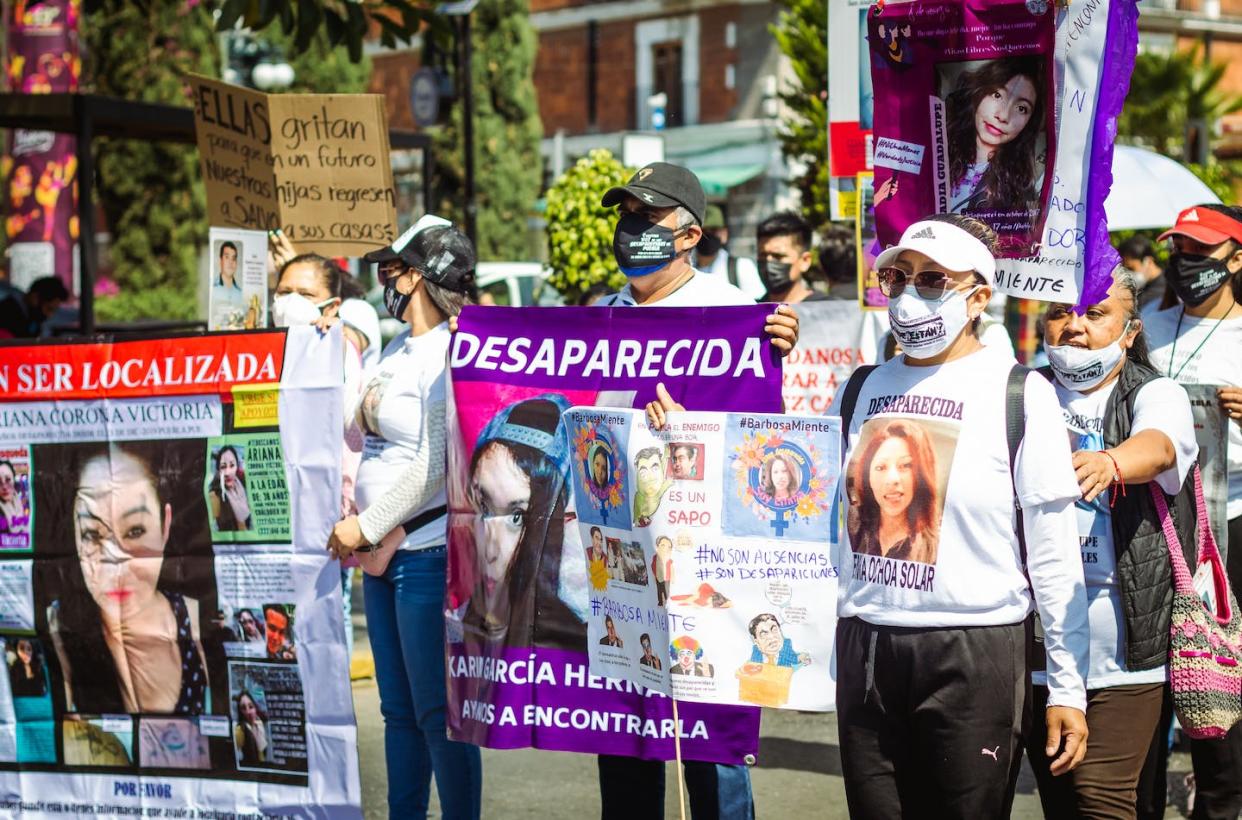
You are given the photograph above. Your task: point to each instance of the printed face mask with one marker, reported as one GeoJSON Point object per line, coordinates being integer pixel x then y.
{"type": "Point", "coordinates": [776, 275]}
{"type": "Point", "coordinates": [641, 247]}
{"type": "Point", "coordinates": [289, 309]}
{"type": "Point", "coordinates": [1194, 278]}
{"type": "Point", "coordinates": [395, 300]}
{"type": "Point", "coordinates": [1078, 368]}
{"type": "Point", "coordinates": [926, 327]}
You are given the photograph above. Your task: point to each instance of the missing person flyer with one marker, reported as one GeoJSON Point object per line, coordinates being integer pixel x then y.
{"type": "Point", "coordinates": [964, 116]}
{"type": "Point", "coordinates": [707, 553]}
{"type": "Point", "coordinates": [237, 270]}
{"type": "Point", "coordinates": [183, 488]}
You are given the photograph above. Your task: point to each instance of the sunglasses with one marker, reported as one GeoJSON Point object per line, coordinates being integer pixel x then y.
{"type": "Point", "coordinates": [929, 284]}
{"type": "Point", "coordinates": [389, 270]}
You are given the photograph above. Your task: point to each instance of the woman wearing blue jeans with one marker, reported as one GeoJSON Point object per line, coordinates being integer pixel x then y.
{"type": "Point", "coordinates": [399, 534]}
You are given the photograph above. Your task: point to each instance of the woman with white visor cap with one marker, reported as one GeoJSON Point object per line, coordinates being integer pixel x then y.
{"type": "Point", "coordinates": [958, 491]}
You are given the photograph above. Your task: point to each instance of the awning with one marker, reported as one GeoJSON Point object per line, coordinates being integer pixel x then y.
{"type": "Point", "coordinates": [718, 180]}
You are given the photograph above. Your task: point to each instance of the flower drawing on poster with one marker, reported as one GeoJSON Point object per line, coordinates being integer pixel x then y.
{"type": "Point", "coordinates": [777, 480]}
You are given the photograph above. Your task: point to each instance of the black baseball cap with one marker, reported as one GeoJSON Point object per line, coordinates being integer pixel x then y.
{"type": "Point", "coordinates": [664, 186]}
{"type": "Point", "coordinates": [442, 254]}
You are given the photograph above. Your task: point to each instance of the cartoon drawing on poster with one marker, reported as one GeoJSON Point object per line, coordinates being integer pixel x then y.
{"type": "Point", "coordinates": [963, 121]}
{"type": "Point", "coordinates": [777, 488]}
{"type": "Point", "coordinates": [895, 486]}
{"type": "Point", "coordinates": [602, 473]}
{"type": "Point", "coordinates": [732, 602]}
{"type": "Point", "coordinates": [651, 483]}
{"type": "Point", "coordinates": [238, 279]}
{"type": "Point", "coordinates": [15, 507]}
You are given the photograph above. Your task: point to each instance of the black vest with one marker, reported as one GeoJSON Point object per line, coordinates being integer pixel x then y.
{"type": "Point", "coordinates": [1143, 572]}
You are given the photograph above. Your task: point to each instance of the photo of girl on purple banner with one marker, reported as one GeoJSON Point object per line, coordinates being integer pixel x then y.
{"type": "Point", "coordinates": [965, 119]}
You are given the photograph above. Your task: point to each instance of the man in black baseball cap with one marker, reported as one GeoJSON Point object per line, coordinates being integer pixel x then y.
{"type": "Point", "coordinates": [661, 216]}
{"type": "Point", "coordinates": [432, 253]}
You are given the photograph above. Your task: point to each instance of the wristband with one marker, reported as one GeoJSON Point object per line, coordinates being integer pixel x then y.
{"type": "Point", "coordinates": [1117, 479]}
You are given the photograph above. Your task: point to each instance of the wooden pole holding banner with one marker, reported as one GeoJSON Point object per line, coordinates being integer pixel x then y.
{"type": "Point", "coordinates": [681, 784]}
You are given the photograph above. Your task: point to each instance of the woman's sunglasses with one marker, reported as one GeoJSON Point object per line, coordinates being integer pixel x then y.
{"type": "Point", "coordinates": [929, 284]}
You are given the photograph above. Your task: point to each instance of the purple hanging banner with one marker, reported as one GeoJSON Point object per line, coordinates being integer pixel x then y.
{"type": "Point", "coordinates": [517, 596]}
{"type": "Point", "coordinates": [41, 167]}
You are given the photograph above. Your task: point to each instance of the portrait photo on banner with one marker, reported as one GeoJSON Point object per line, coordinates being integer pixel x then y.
{"type": "Point", "coordinates": [965, 117]}
{"type": "Point", "coordinates": [895, 485]}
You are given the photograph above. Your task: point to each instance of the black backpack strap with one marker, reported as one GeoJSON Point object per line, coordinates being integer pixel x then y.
{"type": "Point", "coordinates": [1015, 428]}
{"type": "Point", "coordinates": [731, 264]}
{"type": "Point", "coordinates": [849, 398]}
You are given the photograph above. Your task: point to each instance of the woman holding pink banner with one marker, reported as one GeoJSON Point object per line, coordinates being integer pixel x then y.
{"type": "Point", "coordinates": [400, 533]}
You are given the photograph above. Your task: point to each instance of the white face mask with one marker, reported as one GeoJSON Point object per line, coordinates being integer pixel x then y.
{"type": "Point", "coordinates": [1081, 369]}
{"type": "Point", "coordinates": [291, 309]}
{"type": "Point", "coordinates": [926, 327]}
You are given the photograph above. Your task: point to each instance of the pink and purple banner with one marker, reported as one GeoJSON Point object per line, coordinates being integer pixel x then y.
{"type": "Point", "coordinates": [517, 595]}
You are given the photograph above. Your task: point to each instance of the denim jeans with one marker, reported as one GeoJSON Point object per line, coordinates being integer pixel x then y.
{"type": "Point", "coordinates": [633, 789]}
{"type": "Point", "coordinates": [405, 621]}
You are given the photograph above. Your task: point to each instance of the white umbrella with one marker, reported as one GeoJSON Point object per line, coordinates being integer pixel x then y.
{"type": "Point", "coordinates": [1150, 190]}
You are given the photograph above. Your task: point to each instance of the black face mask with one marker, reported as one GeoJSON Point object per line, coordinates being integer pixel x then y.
{"type": "Point", "coordinates": [1195, 278]}
{"type": "Point", "coordinates": [395, 300]}
{"type": "Point", "coordinates": [709, 244]}
{"type": "Point", "coordinates": [776, 275]}
{"type": "Point", "coordinates": [642, 247]}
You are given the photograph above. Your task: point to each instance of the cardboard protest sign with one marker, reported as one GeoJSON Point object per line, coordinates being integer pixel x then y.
{"type": "Point", "coordinates": [195, 477]}
{"type": "Point", "coordinates": [1006, 112]}
{"type": "Point", "coordinates": [517, 592]}
{"type": "Point", "coordinates": [719, 587]}
{"type": "Point", "coordinates": [314, 165]}
{"type": "Point", "coordinates": [237, 273]}
{"type": "Point", "coordinates": [1212, 434]}
{"type": "Point", "coordinates": [834, 339]}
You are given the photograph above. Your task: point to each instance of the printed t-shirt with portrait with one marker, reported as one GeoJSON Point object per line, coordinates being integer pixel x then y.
{"type": "Point", "coordinates": [398, 394]}
{"type": "Point", "coordinates": [1209, 351]}
{"type": "Point", "coordinates": [928, 445]}
{"type": "Point", "coordinates": [1160, 405]}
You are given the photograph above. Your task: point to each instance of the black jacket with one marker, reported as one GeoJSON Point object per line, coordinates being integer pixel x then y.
{"type": "Point", "coordinates": [1143, 572]}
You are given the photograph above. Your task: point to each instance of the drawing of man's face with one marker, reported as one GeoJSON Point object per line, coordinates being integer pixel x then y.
{"type": "Point", "coordinates": [685, 658]}
{"type": "Point", "coordinates": [650, 472]}
{"type": "Point", "coordinates": [768, 637]}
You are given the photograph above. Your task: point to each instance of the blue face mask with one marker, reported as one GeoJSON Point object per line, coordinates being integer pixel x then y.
{"type": "Point", "coordinates": [641, 247]}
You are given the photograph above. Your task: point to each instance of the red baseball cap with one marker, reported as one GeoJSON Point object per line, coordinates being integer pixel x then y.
{"type": "Point", "coordinates": [1206, 225]}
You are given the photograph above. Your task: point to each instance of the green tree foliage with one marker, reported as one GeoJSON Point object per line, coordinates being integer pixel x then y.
{"type": "Point", "coordinates": [580, 229]}
{"type": "Point", "coordinates": [151, 192]}
{"type": "Point", "coordinates": [508, 167]}
{"type": "Point", "coordinates": [801, 32]}
{"type": "Point", "coordinates": [1170, 92]}
{"type": "Point", "coordinates": [320, 67]}
{"type": "Point", "coordinates": [345, 22]}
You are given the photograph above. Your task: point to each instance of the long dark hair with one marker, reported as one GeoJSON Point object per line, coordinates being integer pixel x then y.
{"type": "Point", "coordinates": [186, 568]}
{"type": "Point", "coordinates": [1010, 176]}
{"type": "Point", "coordinates": [215, 469]}
{"type": "Point", "coordinates": [245, 693]}
{"type": "Point", "coordinates": [328, 272]}
{"type": "Point", "coordinates": [921, 515]}
{"type": "Point", "coordinates": [534, 570]}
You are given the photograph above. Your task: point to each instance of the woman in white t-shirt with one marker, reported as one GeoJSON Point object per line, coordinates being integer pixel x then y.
{"type": "Point", "coordinates": [1128, 427]}
{"type": "Point", "coordinates": [931, 652]}
{"type": "Point", "coordinates": [400, 532]}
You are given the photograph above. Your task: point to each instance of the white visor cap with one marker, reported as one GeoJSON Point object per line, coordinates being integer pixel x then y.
{"type": "Point", "coordinates": [946, 245]}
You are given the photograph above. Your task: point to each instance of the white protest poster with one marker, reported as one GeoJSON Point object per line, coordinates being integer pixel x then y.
{"type": "Point", "coordinates": [215, 458]}
{"type": "Point", "coordinates": [715, 582]}
{"type": "Point", "coordinates": [237, 270]}
{"type": "Point", "coordinates": [1212, 434]}
{"type": "Point", "coordinates": [834, 339]}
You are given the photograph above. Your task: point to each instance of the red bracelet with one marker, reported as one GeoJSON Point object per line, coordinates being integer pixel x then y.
{"type": "Point", "coordinates": [1117, 479]}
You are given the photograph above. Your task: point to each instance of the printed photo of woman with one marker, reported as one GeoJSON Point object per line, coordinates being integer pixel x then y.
{"type": "Point", "coordinates": [230, 506]}
{"type": "Point", "coordinates": [123, 609]}
{"type": "Point", "coordinates": [519, 489]}
{"type": "Point", "coordinates": [780, 478]}
{"type": "Point", "coordinates": [14, 510]}
{"type": "Point", "coordinates": [996, 125]}
{"type": "Point", "coordinates": [250, 734]}
{"type": "Point", "coordinates": [895, 500]}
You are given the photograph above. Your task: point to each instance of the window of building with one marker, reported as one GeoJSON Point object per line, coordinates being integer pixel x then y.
{"type": "Point", "coordinates": [666, 78]}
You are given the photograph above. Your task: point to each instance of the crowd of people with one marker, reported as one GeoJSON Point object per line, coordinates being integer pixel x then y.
{"type": "Point", "coordinates": [1046, 631]}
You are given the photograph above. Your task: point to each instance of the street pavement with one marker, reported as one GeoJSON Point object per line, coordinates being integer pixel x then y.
{"type": "Point", "coordinates": [798, 773]}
